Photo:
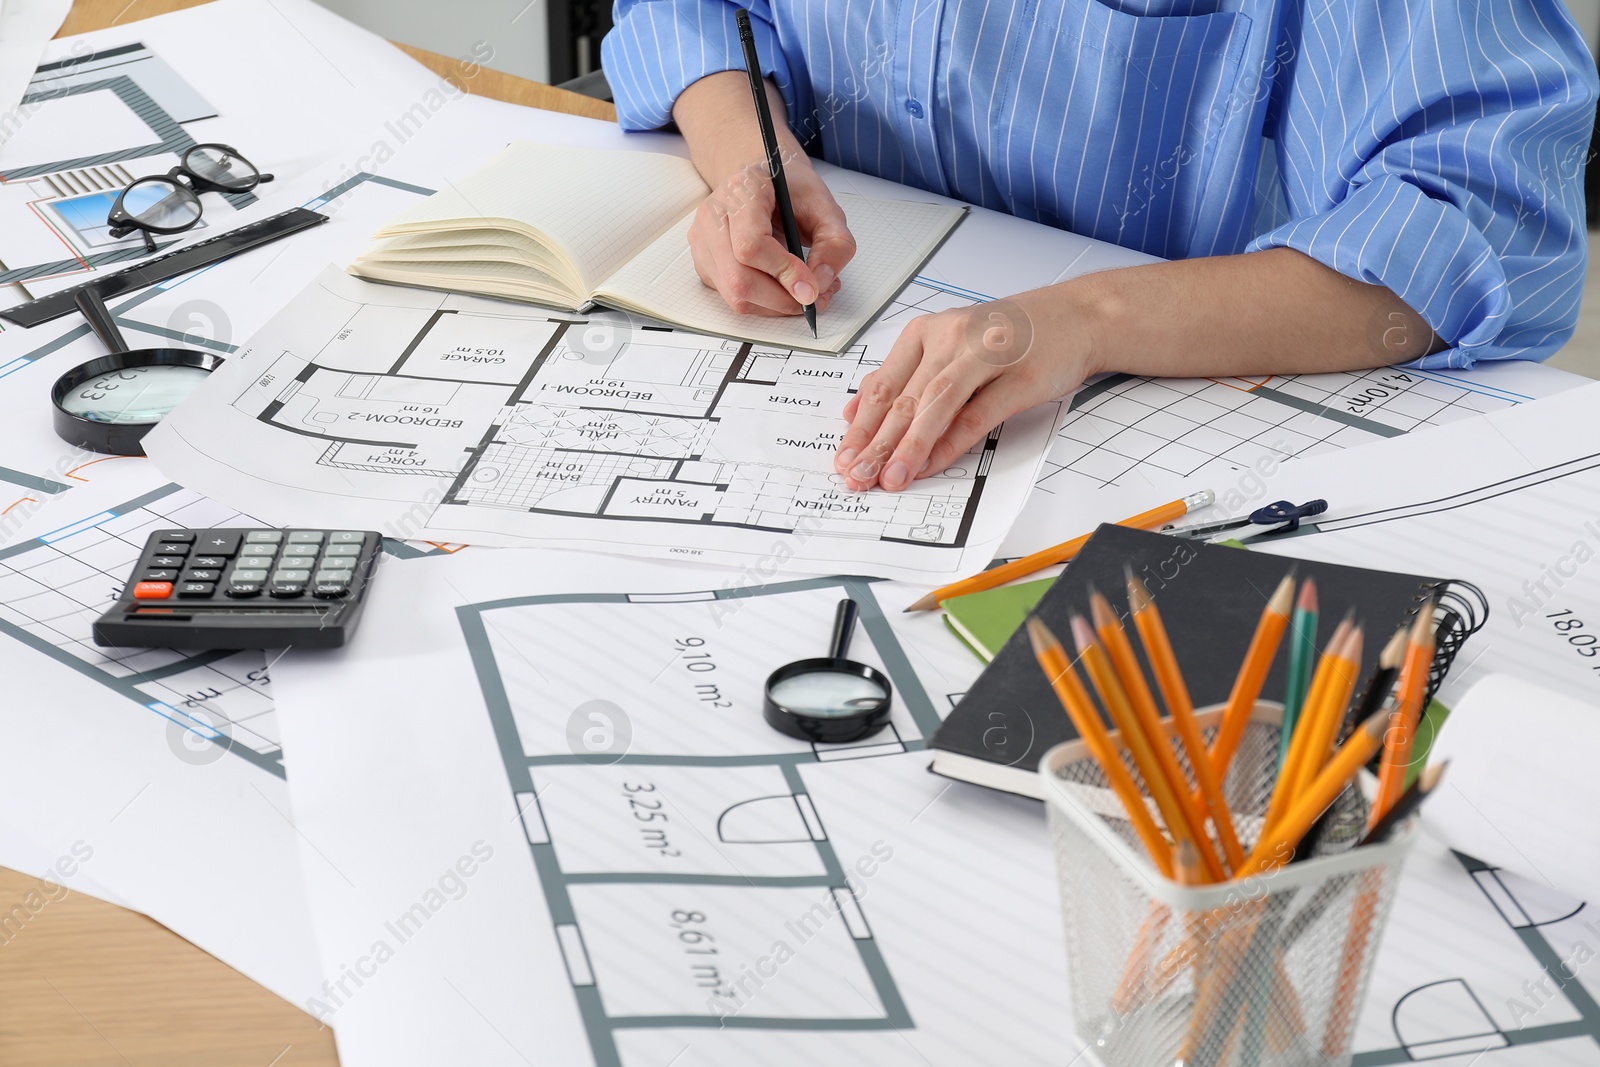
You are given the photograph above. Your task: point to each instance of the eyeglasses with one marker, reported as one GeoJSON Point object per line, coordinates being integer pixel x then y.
{"type": "Point", "coordinates": [170, 203]}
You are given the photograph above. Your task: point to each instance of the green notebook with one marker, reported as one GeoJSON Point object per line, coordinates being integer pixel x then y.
{"type": "Point", "coordinates": [985, 620]}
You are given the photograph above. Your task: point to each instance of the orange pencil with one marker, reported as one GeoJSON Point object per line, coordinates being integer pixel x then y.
{"type": "Point", "coordinates": [1126, 666]}
{"type": "Point", "coordinates": [1282, 789]}
{"type": "Point", "coordinates": [1319, 728]}
{"type": "Point", "coordinates": [1153, 634]}
{"type": "Point", "coordinates": [1252, 674]}
{"type": "Point", "coordinates": [1274, 849]}
{"type": "Point", "coordinates": [1314, 694]}
{"type": "Point", "coordinates": [1116, 704]}
{"type": "Point", "coordinates": [1080, 709]}
{"type": "Point", "coordinates": [1189, 872]}
{"type": "Point", "coordinates": [1337, 1031]}
{"type": "Point", "coordinates": [1049, 557]}
{"type": "Point", "coordinates": [1412, 686]}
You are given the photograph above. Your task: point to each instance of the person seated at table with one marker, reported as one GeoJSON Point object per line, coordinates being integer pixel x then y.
{"type": "Point", "coordinates": [1338, 184]}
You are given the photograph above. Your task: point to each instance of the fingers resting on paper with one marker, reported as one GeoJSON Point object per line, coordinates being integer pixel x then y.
{"type": "Point", "coordinates": [950, 379]}
{"type": "Point", "coordinates": [737, 242]}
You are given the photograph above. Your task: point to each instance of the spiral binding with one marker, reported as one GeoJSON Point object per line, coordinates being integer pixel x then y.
{"type": "Point", "coordinates": [1463, 611]}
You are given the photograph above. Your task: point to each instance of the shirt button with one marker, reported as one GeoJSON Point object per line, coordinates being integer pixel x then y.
{"type": "Point", "coordinates": [915, 108]}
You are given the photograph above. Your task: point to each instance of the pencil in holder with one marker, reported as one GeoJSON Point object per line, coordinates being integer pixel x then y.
{"type": "Point", "coordinates": [1268, 971]}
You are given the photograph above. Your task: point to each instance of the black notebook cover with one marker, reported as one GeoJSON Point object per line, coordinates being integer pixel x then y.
{"type": "Point", "coordinates": [1210, 598]}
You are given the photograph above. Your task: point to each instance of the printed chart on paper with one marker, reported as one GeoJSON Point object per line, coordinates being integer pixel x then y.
{"type": "Point", "coordinates": [1123, 429]}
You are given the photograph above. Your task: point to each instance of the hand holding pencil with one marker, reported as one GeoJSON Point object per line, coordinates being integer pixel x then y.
{"type": "Point", "coordinates": [739, 237]}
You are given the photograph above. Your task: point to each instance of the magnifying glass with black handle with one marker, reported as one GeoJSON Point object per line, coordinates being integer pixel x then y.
{"type": "Point", "coordinates": [109, 404]}
{"type": "Point", "coordinates": [829, 699]}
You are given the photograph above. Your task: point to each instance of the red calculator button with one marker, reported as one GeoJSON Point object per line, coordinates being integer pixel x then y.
{"type": "Point", "coordinates": [152, 591]}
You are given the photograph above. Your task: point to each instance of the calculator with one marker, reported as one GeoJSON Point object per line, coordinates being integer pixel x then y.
{"type": "Point", "coordinates": [232, 589]}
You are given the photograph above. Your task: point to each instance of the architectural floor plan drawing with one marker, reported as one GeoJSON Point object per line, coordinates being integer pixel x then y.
{"type": "Point", "coordinates": [669, 429]}
{"type": "Point", "coordinates": [1481, 966]}
{"type": "Point", "coordinates": [673, 864]}
{"type": "Point", "coordinates": [501, 425]}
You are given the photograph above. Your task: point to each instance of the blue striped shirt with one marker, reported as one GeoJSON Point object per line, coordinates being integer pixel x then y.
{"type": "Point", "coordinates": [1432, 146]}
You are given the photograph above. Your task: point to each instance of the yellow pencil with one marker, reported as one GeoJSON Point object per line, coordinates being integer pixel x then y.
{"type": "Point", "coordinates": [1126, 667]}
{"type": "Point", "coordinates": [1328, 723]}
{"type": "Point", "coordinates": [1303, 744]}
{"type": "Point", "coordinates": [1049, 557]}
{"type": "Point", "coordinates": [1169, 678]}
{"type": "Point", "coordinates": [1080, 709]}
{"type": "Point", "coordinates": [1412, 686]}
{"type": "Point", "coordinates": [1116, 704]}
{"type": "Point", "coordinates": [1252, 674]}
{"type": "Point", "coordinates": [1275, 849]}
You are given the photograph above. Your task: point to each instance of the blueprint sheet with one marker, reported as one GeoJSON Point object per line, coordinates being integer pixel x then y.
{"type": "Point", "coordinates": [570, 838]}
{"type": "Point", "coordinates": [362, 404]}
{"type": "Point", "coordinates": [165, 765]}
{"type": "Point", "coordinates": [608, 857]}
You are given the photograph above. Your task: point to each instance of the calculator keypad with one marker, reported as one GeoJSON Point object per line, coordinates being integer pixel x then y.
{"type": "Point", "coordinates": [285, 565]}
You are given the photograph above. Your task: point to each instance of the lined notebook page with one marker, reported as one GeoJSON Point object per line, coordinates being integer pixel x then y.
{"type": "Point", "coordinates": [596, 207]}
{"type": "Point", "coordinates": [893, 239]}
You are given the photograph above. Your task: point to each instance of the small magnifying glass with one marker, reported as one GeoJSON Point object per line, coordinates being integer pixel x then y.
{"type": "Point", "coordinates": [829, 699]}
{"type": "Point", "coordinates": [109, 404]}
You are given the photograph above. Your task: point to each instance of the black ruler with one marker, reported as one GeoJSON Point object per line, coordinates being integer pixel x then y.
{"type": "Point", "coordinates": [165, 266]}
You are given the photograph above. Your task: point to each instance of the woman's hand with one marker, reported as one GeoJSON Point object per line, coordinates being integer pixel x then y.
{"type": "Point", "coordinates": [736, 236]}
{"type": "Point", "coordinates": [738, 245]}
{"type": "Point", "coordinates": [952, 377]}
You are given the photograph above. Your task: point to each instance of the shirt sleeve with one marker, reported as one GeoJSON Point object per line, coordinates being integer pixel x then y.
{"type": "Point", "coordinates": [1442, 156]}
{"type": "Point", "coordinates": [658, 48]}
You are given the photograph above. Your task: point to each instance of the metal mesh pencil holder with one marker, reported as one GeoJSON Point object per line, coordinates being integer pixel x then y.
{"type": "Point", "coordinates": [1270, 971]}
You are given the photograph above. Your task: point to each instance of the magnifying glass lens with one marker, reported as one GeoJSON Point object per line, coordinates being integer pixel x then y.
{"type": "Point", "coordinates": [133, 394]}
{"type": "Point", "coordinates": [828, 693]}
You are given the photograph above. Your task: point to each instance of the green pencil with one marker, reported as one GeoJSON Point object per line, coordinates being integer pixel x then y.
{"type": "Point", "coordinates": [1302, 655]}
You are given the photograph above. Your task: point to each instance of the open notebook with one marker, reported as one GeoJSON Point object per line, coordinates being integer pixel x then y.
{"type": "Point", "coordinates": [573, 226]}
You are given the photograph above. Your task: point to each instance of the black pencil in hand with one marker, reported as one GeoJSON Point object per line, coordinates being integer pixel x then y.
{"type": "Point", "coordinates": [769, 138]}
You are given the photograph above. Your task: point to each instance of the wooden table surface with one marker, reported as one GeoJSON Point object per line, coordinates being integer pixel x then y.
{"type": "Point", "coordinates": [84, 983]}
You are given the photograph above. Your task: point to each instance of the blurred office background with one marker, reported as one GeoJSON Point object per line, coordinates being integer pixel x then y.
{"type": "Point", "coordinates": [547, 40]}
{"type": "Point", "coordinates": [557, 41]}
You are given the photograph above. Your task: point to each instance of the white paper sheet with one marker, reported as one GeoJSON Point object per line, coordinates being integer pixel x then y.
{"type": "Point", "coordinates": [1130, 443]}
{"type": "Point", "coordinates": [1521, 782]}
{"type": "Point", "coordinates": [1509, 501]}
{"type": "Point", "coordinates": [26, 26]}
{"type": "Point", "coordinates": [56, 873]}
